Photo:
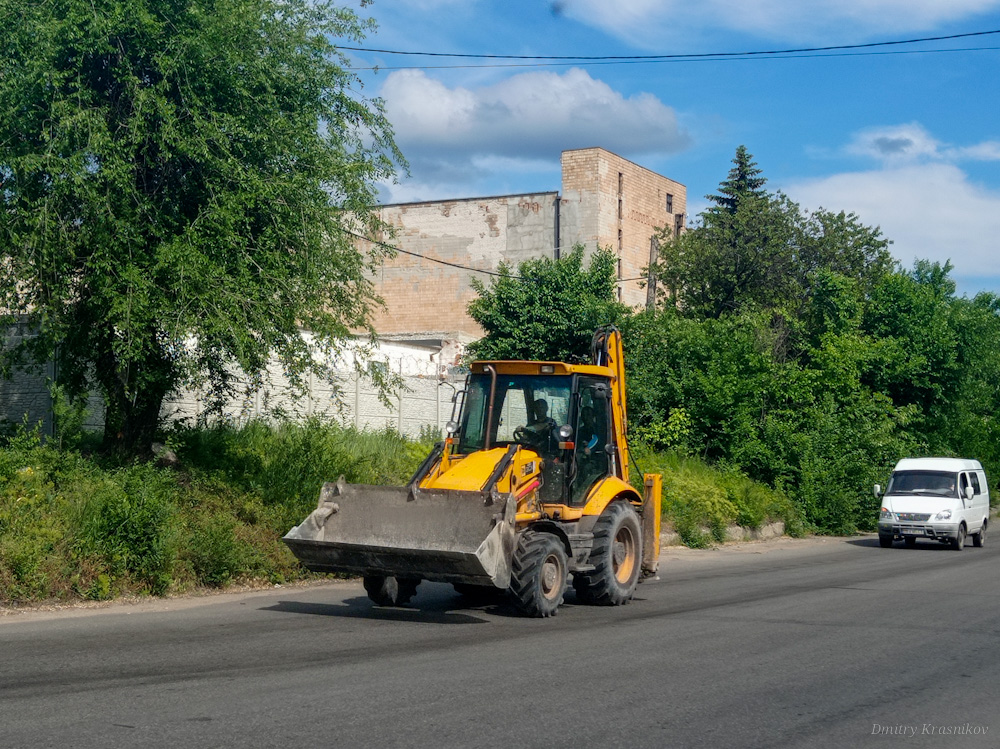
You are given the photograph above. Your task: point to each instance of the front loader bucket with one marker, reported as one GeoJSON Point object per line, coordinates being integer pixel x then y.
{"type": "Point", "coordinates": [431, 534]}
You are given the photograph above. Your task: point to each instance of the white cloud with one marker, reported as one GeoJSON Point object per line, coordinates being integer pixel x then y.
{"type": "Point", "coordinates": [531, 115]}
{"type": "Point", "coordinates": [931, 211]}
{"type": "Point", "coordinates": [457, 138]}
{"type": "Point", "coordinates": [911, 143]}
{"type": "Point", "coordinates": [895, 144]}
{"type": "Point", "coordinates": [650, 22]}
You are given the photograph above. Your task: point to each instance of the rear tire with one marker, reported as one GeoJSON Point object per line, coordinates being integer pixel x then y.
{"type": "Point", "coordinates": [390, 590]}
{"type": "Point", "coordinates": [910, 541]}
{"type": "Point", "coordinates": [979, 539]}
{"type": "Point", "coordinates": [538, 574]}
{"type": "Point", "coordinates": [616, 557]}
{"type": "Point", "coordinates": [885, 541]}
{"type": "Point", "coordinates": [958, 543]}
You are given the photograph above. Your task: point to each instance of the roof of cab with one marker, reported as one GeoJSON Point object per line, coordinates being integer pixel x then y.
{"type": "Point", "coordinates": [938, 464]}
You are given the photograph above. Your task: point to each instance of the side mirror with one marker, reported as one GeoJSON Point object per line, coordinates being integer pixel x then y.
{"type": "Point", "coordinates": [968, 492]}
{"type": "Point", "coordinates": [878, 491]}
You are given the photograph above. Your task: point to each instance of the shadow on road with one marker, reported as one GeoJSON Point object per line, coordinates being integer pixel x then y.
{"type": "Point", "coordinates": [362, 608]}
{"type": "Point", "coordinates": [921, 545]}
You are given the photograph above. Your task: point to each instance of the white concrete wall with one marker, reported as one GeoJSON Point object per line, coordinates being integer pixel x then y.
{"type": "Point", "coordinates": [424, 402]}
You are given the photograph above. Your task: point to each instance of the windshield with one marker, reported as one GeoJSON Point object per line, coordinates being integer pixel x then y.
{"type": "Point", "coordinates": [938, 483]}
{"type": "Point", "coordinates": [527, 408]}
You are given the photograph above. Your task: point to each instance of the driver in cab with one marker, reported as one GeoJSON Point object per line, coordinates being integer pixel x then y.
{"type": "Point", "coordinates": [541, 426]}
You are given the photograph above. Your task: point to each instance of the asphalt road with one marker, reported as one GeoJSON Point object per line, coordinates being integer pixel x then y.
{"type": "Point", "coordinates": [812, 643]}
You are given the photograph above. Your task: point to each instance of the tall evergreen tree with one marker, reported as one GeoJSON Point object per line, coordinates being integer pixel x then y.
{"type": "Point", "coordinates": [744, 183]}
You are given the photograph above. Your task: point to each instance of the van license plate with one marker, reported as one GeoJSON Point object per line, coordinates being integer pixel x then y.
{"type": "Point", "coordinates": [913, 531]}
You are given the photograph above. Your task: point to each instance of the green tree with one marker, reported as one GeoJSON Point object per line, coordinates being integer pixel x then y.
{"type": "Point", "coordinates": [549, 309]}
{"type": "Point", "coordinates": [743, 185]}
{"type": "Point", "coordinates": [757, 249]}
{"type": "Point", "coordinates": [180, 183]}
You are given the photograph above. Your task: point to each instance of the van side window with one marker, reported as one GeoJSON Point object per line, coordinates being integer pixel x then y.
{"type": "Point", "coordinates": [963, 482]}
{"type": "Point", "coordinates": [975, 483]}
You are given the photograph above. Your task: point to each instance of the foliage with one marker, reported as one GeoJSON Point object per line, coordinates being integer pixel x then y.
{"type": "Point", "coordinates": [758, 249]}
{"type": "Point", "coordinates": [181, 185]}
{"type": "Point", "coordinates": [701, 500]}
{"type": "Point", "coordinates": [92, 527]}
{"type": "Point", "coordinates": [549, 310]}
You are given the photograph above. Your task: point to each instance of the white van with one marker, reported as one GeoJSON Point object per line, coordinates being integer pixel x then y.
{"type": "Point", "coordinates": [942, 499]}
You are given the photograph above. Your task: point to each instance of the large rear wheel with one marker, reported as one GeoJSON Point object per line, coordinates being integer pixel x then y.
{"type": "Point", "coordinates": [389, 590]}
{"type": "Point", "coordinates": [616, 557]}
{"type": "Point", "coordinates": [538, 573]}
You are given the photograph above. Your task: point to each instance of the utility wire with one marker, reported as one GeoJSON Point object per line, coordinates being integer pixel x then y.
{"type": "Point", "coordinates": [830, 48]}
{"type": "Point", "coordinates": [390, 247]}
{"type": "Point", "coordinates": [734, 58]}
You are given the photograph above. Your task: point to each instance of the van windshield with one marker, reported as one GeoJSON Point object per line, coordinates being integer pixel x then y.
{"type": "Point", "coordinates": [938, 483]}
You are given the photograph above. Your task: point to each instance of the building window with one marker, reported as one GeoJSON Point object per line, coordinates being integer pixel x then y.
{"type": "Point", "coordinates": [621, 181]}
{"type": "Point", "coordinates": [678, 224]}
{"type": "Point", "coordinates": [619, 207]}
{"type": "Point", "coordinates": [619, 242]}
{"type": "Point", "coordinates": [670, 203]}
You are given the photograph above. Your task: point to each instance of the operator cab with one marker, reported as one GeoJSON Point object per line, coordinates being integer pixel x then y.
{"type": "Point", "coordinates": [565, 418]}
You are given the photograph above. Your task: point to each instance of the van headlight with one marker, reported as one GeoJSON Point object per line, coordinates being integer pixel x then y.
{"type": "Point", "coordinates": [943, 515]}
{"type": "Point", "coordinates": [885, 515]}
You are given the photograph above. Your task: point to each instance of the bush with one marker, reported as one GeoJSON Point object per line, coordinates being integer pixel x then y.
{"type": "Point", "coordinates": [88, 527]}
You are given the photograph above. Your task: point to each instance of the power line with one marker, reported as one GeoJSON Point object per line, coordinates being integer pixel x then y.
{"type": "Point", "coordinates": [830, 48]}
{"type": "Point", "coordinates": [587, 63]}
{"type": "Point", "coordinates": [390, 247]}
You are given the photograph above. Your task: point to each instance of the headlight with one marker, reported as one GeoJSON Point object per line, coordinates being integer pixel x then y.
{"type": "Point", "coordinates": [943, 515]}
{"type": "Point", "coordinates": [885, 515]}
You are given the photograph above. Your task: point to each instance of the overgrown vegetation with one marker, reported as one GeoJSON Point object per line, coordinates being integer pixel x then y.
{"type": "Point", "coordinates": [79, 525]}
{"type": "Point", "coordinates": [76, 524]}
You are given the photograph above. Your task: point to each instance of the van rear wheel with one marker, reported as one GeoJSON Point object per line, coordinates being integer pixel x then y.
{"type": "Point", "coordinates": [979, 539]}
{"type": "Point", "coordinates": [910, 541]}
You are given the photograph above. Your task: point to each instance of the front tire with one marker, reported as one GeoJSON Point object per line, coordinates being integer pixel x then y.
{"type": "Point", "coordinates": [390, 590]}
{"type": "Point", "coordinates": [616, 557]}
{"type": "Point", "coordinates": [958, 542]}
{"type": "Point", "coordinates": [538, 574]}
{"type": "Point", "coordinates": [910, 541]}
{"type": "Point", "coordinates": [979, 539]}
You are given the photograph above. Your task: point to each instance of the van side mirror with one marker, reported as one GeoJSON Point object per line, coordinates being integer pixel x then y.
{"type": "Point", "coordinates": [968, 492]}
{"type": "Point", "coordinates": [878, 491]}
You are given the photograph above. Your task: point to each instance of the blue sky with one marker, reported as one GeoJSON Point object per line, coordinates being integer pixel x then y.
{"type": "Point", "coordinates": [909, 142]}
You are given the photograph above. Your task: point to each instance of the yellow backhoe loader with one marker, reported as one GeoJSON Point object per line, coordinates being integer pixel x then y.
{"type": "Point", "coordinates": [530, 487]}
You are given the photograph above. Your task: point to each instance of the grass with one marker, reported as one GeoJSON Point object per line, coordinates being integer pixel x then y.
{"type": "Point", "coordinates": [75, 525]}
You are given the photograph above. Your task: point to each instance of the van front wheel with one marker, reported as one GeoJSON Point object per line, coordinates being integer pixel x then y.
{"type": "Point", "coordinates": [958, 542]}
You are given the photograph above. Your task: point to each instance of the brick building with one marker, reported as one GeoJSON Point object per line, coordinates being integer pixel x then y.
{"type": "Point", "coordinates": [605, 201]}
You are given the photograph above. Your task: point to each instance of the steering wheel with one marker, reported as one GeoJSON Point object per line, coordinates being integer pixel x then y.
{"type": "Point", "coordinates": [527, 436]}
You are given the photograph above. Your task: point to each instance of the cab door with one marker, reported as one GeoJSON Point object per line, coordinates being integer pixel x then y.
{"type": "Point", "coordinates": [592, 434]}
{"type": "Point", "coordinates": [968, 505]}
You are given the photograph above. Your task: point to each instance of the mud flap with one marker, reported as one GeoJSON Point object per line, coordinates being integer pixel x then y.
{"type": "Point", "coordinates": [432, 534]}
